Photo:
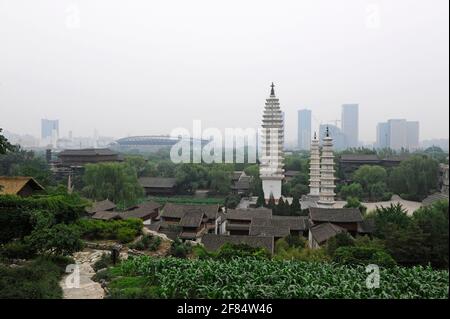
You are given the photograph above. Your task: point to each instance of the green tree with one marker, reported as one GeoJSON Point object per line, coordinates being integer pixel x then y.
{"type": "Point", "coordinates": [295, 207]}
{"type": "Point", "coordinates": [354, 190]}
{"type": "Point", "coordinates": [5, 146]}
{"type": "Point", "coordinates": [415, 177]}
{"type": "Point", "coordinates": [220, 178]}
{"type": "Point", "coordinates": [368, 176]}
{"type": "Point", "coordinates": [115, 181]}
{"type": "Point", "coordinates": [353, 202]}
{"type": "Point", "coordinates": [433, 222]}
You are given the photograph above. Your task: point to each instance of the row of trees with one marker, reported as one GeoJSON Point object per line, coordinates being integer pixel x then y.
{"type": "Point", "coordinates": [414, 179]}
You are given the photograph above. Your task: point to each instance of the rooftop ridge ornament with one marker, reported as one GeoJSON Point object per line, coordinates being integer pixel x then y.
{"type": "Point", "coordinates": [272, 90]}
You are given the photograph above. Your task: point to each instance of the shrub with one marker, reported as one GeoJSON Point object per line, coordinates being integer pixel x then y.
{"type": "Point", "coordinates": [17, 250]}
{"type": "Point", "coordinates": [39, 279]}
{"type": "Point", "coordinates": [228, 251]}
{"type": "Point", "coordinates": [180, 249]}
{"type": "Point", "coordinates": [104, 262]}
{"type": "Point", "coordinates": [363, 256]}
{"type": "Point", "coordinates": [122, 230]}
{"type": "Point", "coordinates": [125, 235]}
{"type": "Point", "coordinates": [149, 242]}
{"type": "Point", "coordinates": [340, 240]}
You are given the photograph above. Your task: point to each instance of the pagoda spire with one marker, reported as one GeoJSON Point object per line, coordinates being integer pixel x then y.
{"type": "Point", "coordinates": [272, 90]}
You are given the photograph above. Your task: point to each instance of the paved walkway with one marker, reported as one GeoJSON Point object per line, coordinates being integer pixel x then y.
{"type": "Point", "coordinates": [85, 288]}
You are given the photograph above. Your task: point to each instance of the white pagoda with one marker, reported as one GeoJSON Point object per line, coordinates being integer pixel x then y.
{"type": "Point", "coordinates": [272, 139]}
{"type": "Point", "coordinates": [327, 172]}
{"type": "Point", "coordinates": [314, 169]}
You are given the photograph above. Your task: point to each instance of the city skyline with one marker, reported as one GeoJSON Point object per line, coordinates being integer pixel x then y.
{"type": "Point", "coordinates": [157, 68]}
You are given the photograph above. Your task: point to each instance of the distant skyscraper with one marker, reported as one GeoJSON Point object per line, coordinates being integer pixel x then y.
{"type": "Point", "coordinates": [412, 135]}
{"type": "Point", "coordinates": [397, 134]}
{"type": "Point", "coordinates": [350, 123]}
{"type": "Point", "coordinates": [49, 128]}
{"type": "Point", "coordinates": [304, 129]}
{"type": "Point", "coordinates": [383, 137]}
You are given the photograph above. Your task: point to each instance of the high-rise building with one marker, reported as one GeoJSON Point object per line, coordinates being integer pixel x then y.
{"type": "Point", "coordinates": [412, 135]}
{"type": "Point", "coordinates": [327, 172]}
{"type": "Point", "coordinates": [314, 169]}
{"type": "Point", "coordinates": [304, 129]}
{"type": "Point", "coordinates": [397, 134]}
{"type": "Point", "coordinates": [272, 140]}
{"type": "Point", "coordinates": [48, 128]}
{"type": "Point", "coordinates": [383, 135]}
{"type": "Point", "coordinates": [339, 139]}
{"type": "Point", "coordinates": [350, 124]}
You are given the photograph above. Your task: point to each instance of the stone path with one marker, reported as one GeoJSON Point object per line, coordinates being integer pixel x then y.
{"type": "Point", "coordinates": [87, 288]}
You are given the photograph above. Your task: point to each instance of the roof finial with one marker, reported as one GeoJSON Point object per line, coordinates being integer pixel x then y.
{"type": "Point", "coordinates": [328, 132]}
{"type": "Point", "coordinates": [272, 91]}
{"type": "Point", "coordinates": [315, 135]}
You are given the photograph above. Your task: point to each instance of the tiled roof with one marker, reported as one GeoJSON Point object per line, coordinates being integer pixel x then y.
{"type": "Point", "coordinates": [247, 214]}
{"type": "Point", "coordinates": [87, 152]}
{"type": "Point", "coordinates": [291, 173]}
{"type": "Point", "coordinates": [106, 215]}
{"type": "Point", "coordinates": [322, 232]}
{"type": "Point", "coordinates": [142, 210]}
{"type": "Point", "coordinates": [360, 157]}
{"type": "Point", "coordinates": [214, 242]}
{"type": "Point", "coordinates": [242, 183]}
{"type": "Point", "coordinates": [192, 218]}
{"type": "Point", "coordinates": [157, 182]}
{"type": "Point", "coordinates": [12, 185]}
{"type": "Point", "coordinates": [178, 210]}
{"type": "Point", "coordinates": [278, 226]}
{"type": "Point", "coordinates": [103, 205]}
{"type": "Point", "coordinates": [336, 215]}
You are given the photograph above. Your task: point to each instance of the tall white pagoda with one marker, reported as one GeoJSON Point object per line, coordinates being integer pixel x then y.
{"type": "Point", "coordinates": [272, 139]}
{"type": "Point", "coordinates": [327, 172]}
{"type": "Point", "coordinates": [314, 169]}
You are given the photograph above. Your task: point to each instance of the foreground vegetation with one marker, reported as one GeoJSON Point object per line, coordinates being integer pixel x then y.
{"type": "Point", "coordinates": [147, 277]}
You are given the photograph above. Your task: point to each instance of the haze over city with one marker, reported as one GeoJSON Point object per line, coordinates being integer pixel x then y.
{"type": "Point", "coordinates": [149, 67]}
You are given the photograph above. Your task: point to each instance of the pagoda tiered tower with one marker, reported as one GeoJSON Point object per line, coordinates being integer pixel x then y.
{"type": "Point", "coordinates": [272, 139]}
{"type": "Point", "coordinates": [327, 172]}
{"type": "Point", "coordinates": [314, 169]}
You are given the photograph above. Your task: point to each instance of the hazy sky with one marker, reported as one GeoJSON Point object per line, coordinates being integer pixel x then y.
{"type": "Point", "coordinates": [145, 67]}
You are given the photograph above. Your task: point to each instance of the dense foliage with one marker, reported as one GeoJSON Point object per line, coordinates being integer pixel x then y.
{"type": "Point", "coordinates": [116, 181]}
{"type": "Point", "coordinates": [38, 279]}
{"type": "Point", "coordinates": [122, 230]}
{"type": "Point", "coordinates": [259, 278]}
{"type": "Point", "coordinates": [16, 212]}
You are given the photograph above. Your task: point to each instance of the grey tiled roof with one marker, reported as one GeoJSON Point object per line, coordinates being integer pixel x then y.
{"type": "Point", "coordinates": [322, 232]}
{"type": "Point", "coordinates": [103, 205]}
{"type": "Point", "coordinates": [247, 214]}
{"type": "Point", "coordinates": [291, 173]}
{"type": "Point", "coordinates": [104, 215]}
{"type": "Point", "coordinates": [142, 210]}
{"type": "Point", "coordinates": [336, 215]}
{"type": "Point", "coordinates": [214, 242]}
{"type": "Point", "coordinates": [87, 152]}
{"type": "Point", "coordinates": [157, 182]}
{"type": "Point", "coordinates": [192, 218]}
{"type": "Point", "coordinates": [178, 210]}
{"type": "Point", "coordinates": [360, 157]}
{"type": "Point", "coordinates": [278, 226]}
{"type": "Point", "coordinates": [367, 226]}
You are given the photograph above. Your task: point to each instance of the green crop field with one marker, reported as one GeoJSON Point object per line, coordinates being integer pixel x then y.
{"type": "Point", "coordinates": [147, 277]}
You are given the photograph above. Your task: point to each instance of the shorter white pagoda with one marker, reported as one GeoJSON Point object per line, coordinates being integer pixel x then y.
{"type": "Point", "coordinates": [327, 173]}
